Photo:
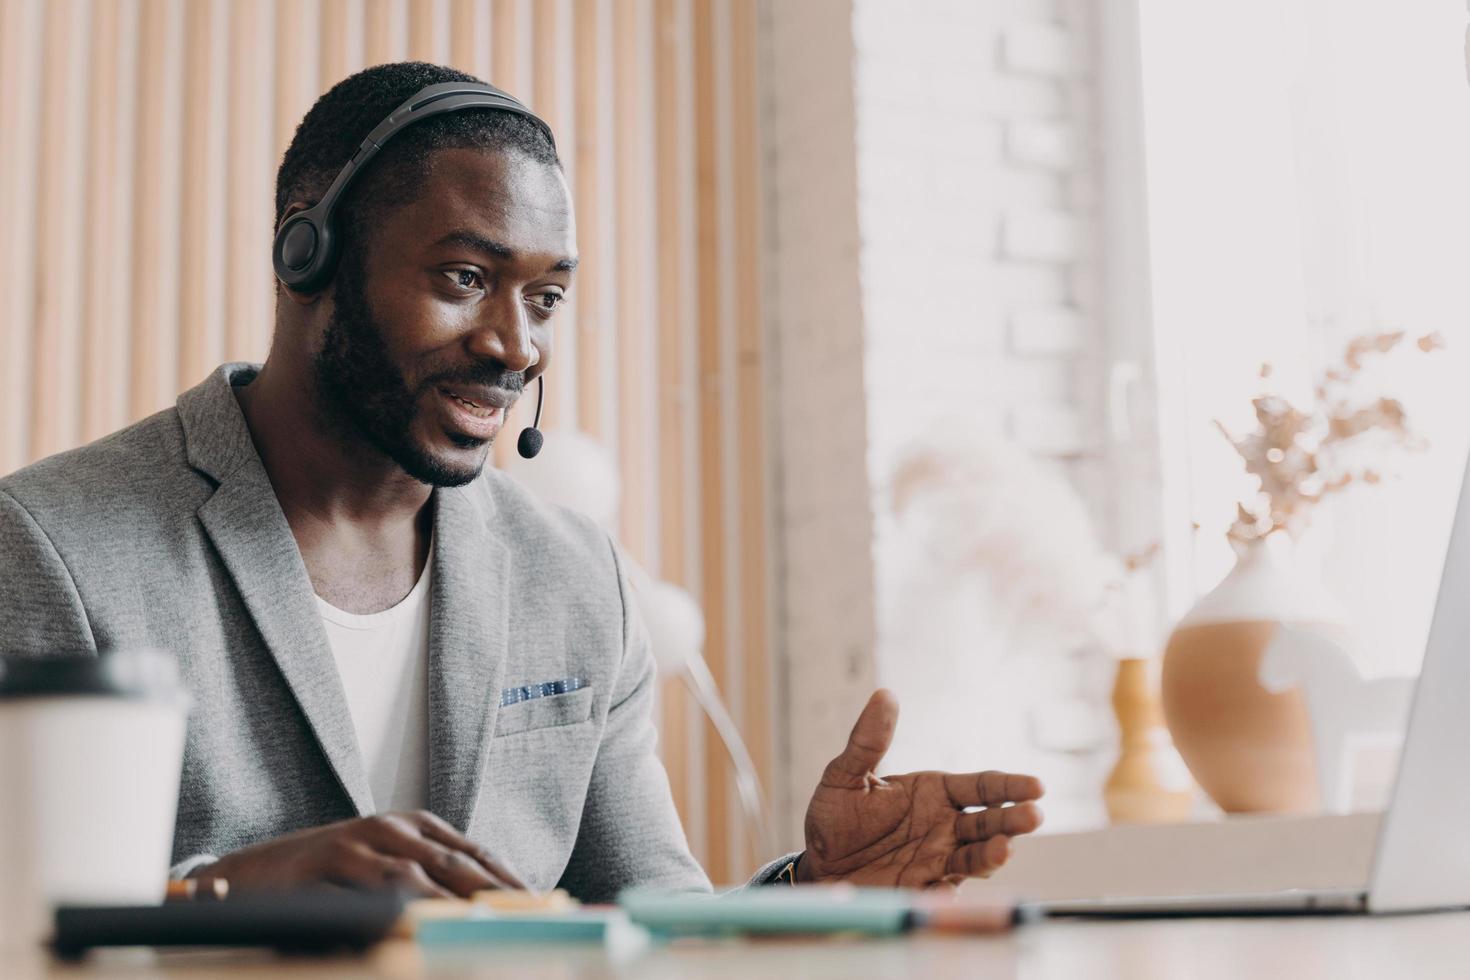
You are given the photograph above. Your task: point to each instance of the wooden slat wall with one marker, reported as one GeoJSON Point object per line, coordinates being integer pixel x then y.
{"type": "Point", "coordinates": [675, 270]}
{"type": "Point", "coordinates": [136, 187]}
{"type": "Point", "coordinates": [110, 151]}
{"type": "Point", "coordinates": [203, 187]}
{"type": "Point", "coordinates": [748, 677]}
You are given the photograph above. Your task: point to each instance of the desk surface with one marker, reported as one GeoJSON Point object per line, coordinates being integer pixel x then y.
{"type": "Point", "coordinates": [1420, 946]}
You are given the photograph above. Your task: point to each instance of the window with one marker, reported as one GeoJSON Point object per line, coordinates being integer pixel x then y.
{"type": "Point", "coordinates": [1308, 180]}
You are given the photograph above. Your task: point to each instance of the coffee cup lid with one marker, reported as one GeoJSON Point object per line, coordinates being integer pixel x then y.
{"type": "Point", "coordinates": [143, 674]}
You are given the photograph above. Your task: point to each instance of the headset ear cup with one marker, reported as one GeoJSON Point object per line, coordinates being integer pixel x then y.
{"type": "Point", "coordinates": [303, 252]}
{"type": "Point", "coordinates": [294, 249]}
{"type": "Point", "coordinates": [324, 262]}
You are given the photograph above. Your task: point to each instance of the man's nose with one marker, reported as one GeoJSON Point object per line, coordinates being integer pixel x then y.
{"type": "Point", "coordinates": [505, 336]}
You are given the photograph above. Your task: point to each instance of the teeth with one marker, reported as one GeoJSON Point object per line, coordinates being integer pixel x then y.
{"type": "Point", "coordinates": [479, 411]}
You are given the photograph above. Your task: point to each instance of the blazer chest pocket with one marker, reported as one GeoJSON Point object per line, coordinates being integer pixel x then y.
{"type": "Point", "coordinates": [554, 711]}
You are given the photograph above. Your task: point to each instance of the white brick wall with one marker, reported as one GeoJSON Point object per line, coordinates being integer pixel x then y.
{"type": "Point", "coordinates": [933, 253]}
{"type": "Point", "coordinates": [1049, 331]}
{"type": "Point", "coordinates": [1035, 47]}
{"type": "Point", "coordinates": [825, 629]}
{"type": "Point", "coordinates": [977, 180]}
{"type": "Point", "coordinates": [1046, 143]}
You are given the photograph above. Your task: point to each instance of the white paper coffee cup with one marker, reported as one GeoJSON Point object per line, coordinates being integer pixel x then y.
{"type": "Point", "coordinates": [91, 750]}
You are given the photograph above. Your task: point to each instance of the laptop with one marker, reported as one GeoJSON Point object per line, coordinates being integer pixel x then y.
{"type": "Point", "coordinates": [1420, 848]}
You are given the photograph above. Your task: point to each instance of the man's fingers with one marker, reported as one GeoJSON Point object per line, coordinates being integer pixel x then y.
{"type": "Point", "coordinates": [990, 788]}
{"type": "Point", "coordinates": [1011, 821]}
{"type": "Point", "coordinates": [868, 743]}
{"type": "Point", "coordinates": [979, 860]}
{"type": "Point", "coordinates": [457, 871]}
{"type": "Point", "coordinates": [410, 876]}
{"type": "Point", "coordinates": [364, 867]}
{"type": "Point", "coordinates": [442, 832]}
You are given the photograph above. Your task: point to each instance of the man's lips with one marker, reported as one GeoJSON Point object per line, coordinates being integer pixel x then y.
{"type": "Point", "coordinates": [475, 412]}
{"type": "Point", "coordinates": [480, 399]}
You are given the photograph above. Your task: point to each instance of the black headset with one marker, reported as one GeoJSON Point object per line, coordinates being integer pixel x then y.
{"type": "Point", "coordinates": [305, 252]}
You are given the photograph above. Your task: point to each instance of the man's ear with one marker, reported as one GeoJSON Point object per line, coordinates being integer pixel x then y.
{"type": "Point", "coordinates": [298, 297]}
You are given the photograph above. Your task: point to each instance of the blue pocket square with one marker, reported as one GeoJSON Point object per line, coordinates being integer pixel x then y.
{"type": "Point", "coordinates": [530, 692]}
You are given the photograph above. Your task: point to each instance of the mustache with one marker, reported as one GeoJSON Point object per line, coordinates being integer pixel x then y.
{"type": "Point", "coordinates": [488, 374]}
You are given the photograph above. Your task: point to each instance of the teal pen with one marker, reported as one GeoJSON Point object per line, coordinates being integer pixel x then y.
{"type": "Point", "coordinates": [817, 909]}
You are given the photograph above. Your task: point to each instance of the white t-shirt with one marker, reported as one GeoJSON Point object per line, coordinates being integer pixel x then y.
{"type": "Point", "coordinates": [383, 661]}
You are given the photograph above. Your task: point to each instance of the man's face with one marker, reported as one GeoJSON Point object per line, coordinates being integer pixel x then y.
{"type": "Point", "coordinates": [436, 331]}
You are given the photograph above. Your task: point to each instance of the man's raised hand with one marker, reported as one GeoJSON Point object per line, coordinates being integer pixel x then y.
{"type": "Point", "coordinates": [911, 830]}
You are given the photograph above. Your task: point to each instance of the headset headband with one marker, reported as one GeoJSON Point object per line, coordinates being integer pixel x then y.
{"type": "Point", "coordinates": [305, 250]}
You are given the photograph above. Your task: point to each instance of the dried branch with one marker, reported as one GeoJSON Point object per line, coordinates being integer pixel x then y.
{"type": "Point", "coordinates": [1299, 456]}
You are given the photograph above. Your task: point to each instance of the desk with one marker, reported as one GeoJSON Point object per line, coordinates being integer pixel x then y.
{"type": "Point", "coordinates": [1430, 946]}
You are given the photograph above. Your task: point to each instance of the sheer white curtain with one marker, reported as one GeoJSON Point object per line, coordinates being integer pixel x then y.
{"type": "Point", "coordinates": [1308, 180]}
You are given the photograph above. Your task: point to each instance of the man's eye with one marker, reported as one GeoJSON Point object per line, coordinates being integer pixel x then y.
{"type": "Point", "coordinates": [466, 278]}
{"type": "Point", "coordinates": [548, 301]}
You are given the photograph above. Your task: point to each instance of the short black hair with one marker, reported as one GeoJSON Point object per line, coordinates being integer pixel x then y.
{"type": "Point", "coordinates": [341, 119]}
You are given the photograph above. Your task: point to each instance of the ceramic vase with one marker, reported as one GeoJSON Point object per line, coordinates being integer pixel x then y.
{"type": "Point", "coordinates": [1249, 748]}
{"type": "Point", "coordinates": [1148, 783]}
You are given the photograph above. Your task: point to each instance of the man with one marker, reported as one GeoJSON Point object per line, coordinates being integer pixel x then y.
{"type": "Point", "coordinates": [405, 669]}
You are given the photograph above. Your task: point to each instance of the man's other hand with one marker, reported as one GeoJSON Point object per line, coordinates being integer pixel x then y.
{"type": "Point", "coordinates": [416, 852]}
{"type": "Point", "coordinates": [911, 830]}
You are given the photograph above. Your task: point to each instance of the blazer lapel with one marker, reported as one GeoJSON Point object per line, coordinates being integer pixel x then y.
{"type": "Point", "coordinates": [468, 638]}
{"type": "Point", "coordinates": [245, 522]}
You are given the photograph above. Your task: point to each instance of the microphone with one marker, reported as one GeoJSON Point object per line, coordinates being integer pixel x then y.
{"type": "Point", "coordinates": [529, 444]}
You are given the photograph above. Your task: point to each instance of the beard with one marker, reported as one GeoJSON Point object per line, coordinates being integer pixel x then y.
{"type": "Point", "coordinates": [365, 396]}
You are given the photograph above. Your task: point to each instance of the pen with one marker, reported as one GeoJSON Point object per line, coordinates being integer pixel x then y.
{"type": "Point", "coordinates": [966, 915]}
{"type": "Point", "coordinates": [197, 890]}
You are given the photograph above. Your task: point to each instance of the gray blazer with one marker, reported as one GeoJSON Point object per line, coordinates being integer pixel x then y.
{"type": "Point", "coordinates": [168, 534]}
